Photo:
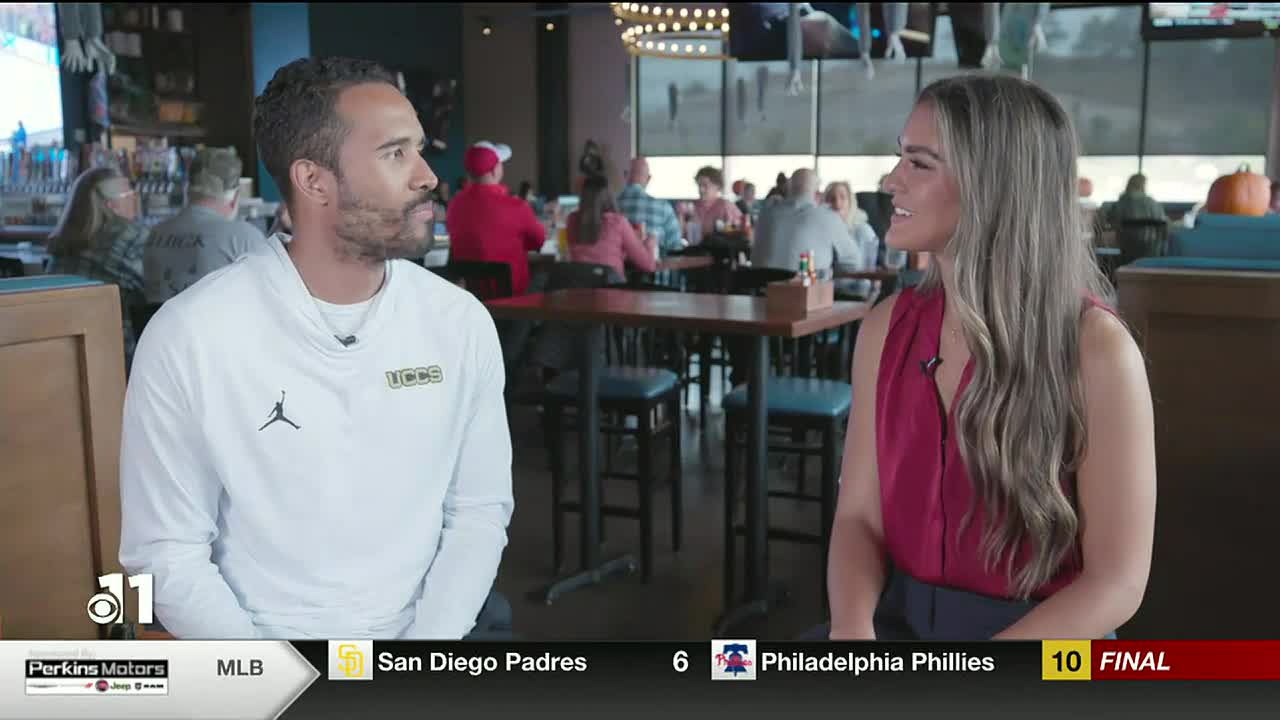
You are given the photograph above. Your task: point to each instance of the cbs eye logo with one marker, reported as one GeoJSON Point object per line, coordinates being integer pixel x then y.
{"type": "Point", "coordinates": [107, 607]}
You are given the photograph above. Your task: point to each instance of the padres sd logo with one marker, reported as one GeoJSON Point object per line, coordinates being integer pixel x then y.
{"type": "Point", "coordinates": [409, 377]}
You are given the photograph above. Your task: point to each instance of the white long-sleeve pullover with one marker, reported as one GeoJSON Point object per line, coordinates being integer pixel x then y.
{"type": "Point", "coordinates": [280, 485]}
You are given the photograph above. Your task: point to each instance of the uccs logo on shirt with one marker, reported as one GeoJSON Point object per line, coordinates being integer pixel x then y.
{"type": "Point", "coordinates": [350, 659]}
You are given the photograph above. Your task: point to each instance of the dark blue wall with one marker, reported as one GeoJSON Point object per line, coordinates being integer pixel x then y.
{"type": "Point", "coordinates": [400, 36]}
{"type": "Point", "coordinates": [280, 34]}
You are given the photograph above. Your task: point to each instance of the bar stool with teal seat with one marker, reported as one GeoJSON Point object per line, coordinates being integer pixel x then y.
{"type": "Point", "coordinates": [797, 406]}
{"type": "Point", "coordinates": [652, 396]}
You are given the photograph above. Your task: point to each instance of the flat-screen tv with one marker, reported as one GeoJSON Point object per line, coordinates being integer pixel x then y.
{"type": "Point", "coordinates": [829, 30]}
{"type": "Point", "coordinates": [1199, 21]}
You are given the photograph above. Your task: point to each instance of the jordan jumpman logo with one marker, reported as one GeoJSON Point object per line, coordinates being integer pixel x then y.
{"type": "Point", "coordinates": [277, 413]}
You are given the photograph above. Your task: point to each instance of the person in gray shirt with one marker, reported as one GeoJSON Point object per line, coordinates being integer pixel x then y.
{"type": "Point", "coordinates": [797, 225]}
{"type": "Point", "coordinates": [203, 237]}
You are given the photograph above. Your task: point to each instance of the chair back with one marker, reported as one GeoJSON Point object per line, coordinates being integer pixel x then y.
{"type": "Point", "coordinates": [572, 275]}
{"type": "Point", "coordinates": [752, 281]}
{"type": "Point", "coordinates": [879, 209]}
{"type": "Point", "coordinates": [1142, 238]}
{"type": "Point", "coordinates": [141, 315]}
{"type": "Point", "coordinates": [485, 280]}
{"type": "Point", "coordinates": [12, 267]}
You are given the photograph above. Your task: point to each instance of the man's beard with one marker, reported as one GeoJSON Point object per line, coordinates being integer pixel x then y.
{"type": "Point", "coordinates": [372, 234]}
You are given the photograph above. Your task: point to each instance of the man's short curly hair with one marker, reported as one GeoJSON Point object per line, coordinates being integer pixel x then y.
{"type": "Point", "coordinates": [713, 175]}
{"type": "Point", "coordinates": [295, 117]}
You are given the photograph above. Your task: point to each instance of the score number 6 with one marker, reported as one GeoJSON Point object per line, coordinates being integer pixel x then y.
{"type": "Point", "coordinates": [680, 661]}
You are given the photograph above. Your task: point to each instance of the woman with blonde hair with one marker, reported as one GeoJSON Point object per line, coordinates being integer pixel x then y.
{"type": "Point", "coordinates": [839, 197]}
{"type": "Point", "coordinates": [999, 473]}
{"type": "Point", "coordinates": [98, 237]}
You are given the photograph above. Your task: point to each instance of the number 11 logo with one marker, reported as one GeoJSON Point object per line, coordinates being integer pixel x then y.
{"type": "Point", "coordinates": [108, 607]}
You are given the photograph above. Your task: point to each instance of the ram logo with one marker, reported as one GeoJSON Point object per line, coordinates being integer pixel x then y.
{"type": "Point", "coordinates": [409, 377]}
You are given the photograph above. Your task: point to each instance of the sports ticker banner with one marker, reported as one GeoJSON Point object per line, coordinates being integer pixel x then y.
{"type": "Point", "coordinates": [736, 676]}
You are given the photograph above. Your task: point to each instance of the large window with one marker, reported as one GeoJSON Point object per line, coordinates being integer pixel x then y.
{"type": "Point", "coordinates": [862, 115]}
{"type": "Point", "coordinates": [29, 65]}
{"type": "Point", "coordinates": [680, 102]}
{"type": "Point", "coordinates": [762, 119]}
{"type": "Point", "coordinates": [1093, 66]}
{"type": "Point", "coordinates": [1207, 105]}
{"type": "Point", "coordinates": [1209, 97]}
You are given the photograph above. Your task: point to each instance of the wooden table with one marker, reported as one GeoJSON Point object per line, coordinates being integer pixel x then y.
{"type": "Point", "coordinates": [713, 314]}
{"type": "Point", "coordinates": [879, 275]}
{"type": "Point", "coordinates": [674, 262]}
{"type": "Point", "coordinates": [683, 262]}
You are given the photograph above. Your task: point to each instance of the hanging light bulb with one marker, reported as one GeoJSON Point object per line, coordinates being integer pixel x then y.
{"type": "Point", "coordinates": [724, 12]}
{"type": "Point", "coordinates": [670, 12]}
{"type": "Point", "coordinates": [662, 27]}
{"type": "Point", "coordinates": [684, 12]}
{"type": "Point", "coordinates": [688, 48]}
{"type": "Point", "coordinates": [676, 27]}
{"type": "Point", "coordinates": [662, 46]}
{"type": "Point", "coordinates": [617, 21]}
{"type": "Point", "coordinates": [724, 27]}
{"type": "Point", "coordinates": [702, 49]}
{"type": "Point", "coordinates": [697, 12]}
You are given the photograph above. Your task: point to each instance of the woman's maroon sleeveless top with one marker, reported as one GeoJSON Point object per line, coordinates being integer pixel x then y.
{"type": "Point", "coordinates": [924, 486]}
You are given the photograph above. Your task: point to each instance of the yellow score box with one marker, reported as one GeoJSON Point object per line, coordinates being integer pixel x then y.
{"type": "Point", "coordinates": [1065, 660]}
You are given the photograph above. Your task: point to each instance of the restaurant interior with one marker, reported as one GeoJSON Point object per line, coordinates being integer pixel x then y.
{"type": "Point", "coordinates": [664, 488]}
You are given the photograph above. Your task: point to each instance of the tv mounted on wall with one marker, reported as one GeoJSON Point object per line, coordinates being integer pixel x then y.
{"type": "Point", "coordinates": [829, 31]}
{"type": "Point", "coordinates": [1204, 20]}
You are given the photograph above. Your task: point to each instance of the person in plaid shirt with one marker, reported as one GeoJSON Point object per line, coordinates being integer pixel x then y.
{"type": "Point", "coordinates": [99, 237]}
{"type": "Point", "coordinates": [640, 207]}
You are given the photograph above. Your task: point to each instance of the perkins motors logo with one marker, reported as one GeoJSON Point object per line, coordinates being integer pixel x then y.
{"type": "Point", "coordinates": [97, 677]}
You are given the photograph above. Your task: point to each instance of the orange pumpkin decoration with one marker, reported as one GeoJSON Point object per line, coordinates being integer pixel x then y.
{"type": "Point", "coordinates": [1240, 193]}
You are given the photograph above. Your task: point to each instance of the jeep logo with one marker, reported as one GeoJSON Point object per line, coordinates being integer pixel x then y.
{"type": "Point", "coordinates": [409, 377]}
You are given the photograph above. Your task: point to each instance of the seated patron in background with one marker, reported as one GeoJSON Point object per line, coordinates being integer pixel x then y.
{"type": "Point", "coordinates": [641, 208]}
{"type": "Point", "coordinates": [599, 234]}
{"type": "Point", "coordinates": [486, 224]}
{"type": "Point", "coordinates": [206, 235]}
{"type": "Point", "coordinates": [1136, 204]}
{"type": "Point", "coordinates": [99, 237]}
{"type": "Point", "coordinates": [315, 443]}
{"type": "Point", "coordinates": [839, 197]}
{"type": "Point", "coordinates": [1036, 519]}
{"type": "Point", "coordinates": [799, 225]}
{"type": "Point", "coordinates": [711, 208]}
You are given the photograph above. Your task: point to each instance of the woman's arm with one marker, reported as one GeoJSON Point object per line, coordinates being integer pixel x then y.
{"type": "Point", "coordinates": [856, 568]}
{"type": "Point", "coordinates": [1116, 487]}
{"type": "Point", "coordinates": [637, 252]}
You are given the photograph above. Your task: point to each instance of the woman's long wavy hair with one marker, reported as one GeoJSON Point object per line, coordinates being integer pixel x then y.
{"type": "Point", "coordinates": [86, 212]}
{"type": "Point", "coordinates": [1023, 269]}
{"type": "Point", "coordinates": [596, 201]}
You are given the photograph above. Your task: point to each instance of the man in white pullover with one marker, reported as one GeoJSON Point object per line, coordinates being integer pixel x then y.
{"type": "Point", "coordinates": [315, 443]}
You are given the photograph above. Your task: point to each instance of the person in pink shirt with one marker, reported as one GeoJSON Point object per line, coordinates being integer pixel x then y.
{"type": "Point", "coordinates": [598, 233]}
{"type": "Point", "coordinates": [711, 206]}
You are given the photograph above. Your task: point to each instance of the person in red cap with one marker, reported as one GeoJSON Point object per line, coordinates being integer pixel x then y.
{"type": "Point", "coordinates": [488, 224]}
